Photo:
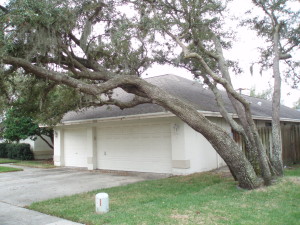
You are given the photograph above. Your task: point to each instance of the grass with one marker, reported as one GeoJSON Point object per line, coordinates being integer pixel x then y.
{"type": "Point", "coordinates": [293, 171]}
{"type": "Point", "coordinates": [4, 169]}
{"type": "Point", "coordinates": [29, 163]}
{"type": "Point", "coordinates": [4, 160]}
{"type": "Point", "coordinates": [36, 164]}
{"type": "Point", "coordinates": [203, 198]}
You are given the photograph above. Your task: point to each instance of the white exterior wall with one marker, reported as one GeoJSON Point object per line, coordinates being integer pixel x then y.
{"type": "Point", "coordinates": [221, 122]}
{"type": "Point", "coordinates": [181, 162]}
{"type": "Point", "coordinates": [91, 148]}
{"type": "Point", "coordinates": [202, 155]}
{"type": "Point", "coordinates": [39, 148]}
{"type": "Point", "coordinates": [194, 151]}
{"type": "Point", "coordinates": [58, 157]}
{"type": "Point", "coordinates": [161, 145]}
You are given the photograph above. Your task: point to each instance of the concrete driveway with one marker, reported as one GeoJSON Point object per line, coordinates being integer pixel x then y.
{"type": "Point", "coordinates": [19, 189]}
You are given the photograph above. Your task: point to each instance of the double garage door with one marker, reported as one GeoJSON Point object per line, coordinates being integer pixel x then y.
{"type": "Point", "coordinates": [140, 147]}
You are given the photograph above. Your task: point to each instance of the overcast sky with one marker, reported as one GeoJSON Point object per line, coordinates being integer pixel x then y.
{"type": "Point", "coordinates": [245, 51]}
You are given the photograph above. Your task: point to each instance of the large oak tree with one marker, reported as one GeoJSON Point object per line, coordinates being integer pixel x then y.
{"type": "Point", "coordinates": [95, 46]}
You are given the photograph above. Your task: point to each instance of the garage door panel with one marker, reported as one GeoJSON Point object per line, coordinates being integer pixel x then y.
{"type": "Point", "coordinates": [144, 148]}
{"type": "Point", "coordinates": [124, 164]}
{"type": "Point", "coordinates": [74, 147]}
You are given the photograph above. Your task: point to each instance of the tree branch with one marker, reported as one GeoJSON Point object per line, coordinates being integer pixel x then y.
{"type": "Point", "coordinates": [284, 56]}
{"type": "Point", "coordinates": [5, 10]}
{"type": "Point", "coordinates": [222, 108]}
{"type": "Point", "coordinates": [45, 140]}
{"type": "Point", "coordinates": [137, 100]}
{"type": "Point", "coordinates": [224, 82]}
{"type": "Point", "coordinates": [111, 81]}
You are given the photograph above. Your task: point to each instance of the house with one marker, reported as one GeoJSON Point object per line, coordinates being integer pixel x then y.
{"type": "Point", "coordinates": [147, 138]}
{"type": "Point", "coordinates": [39, 147]}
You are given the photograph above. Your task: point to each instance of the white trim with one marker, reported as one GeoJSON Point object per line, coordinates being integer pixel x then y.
{"type": "Point", "coordinates": [235, 116]}
{"type": "Point", "coordinates": [281, 119]}
{"type": "Point", "coordinates": [162, 115]}
{"type": "Point", "coordinates": [117, 118]}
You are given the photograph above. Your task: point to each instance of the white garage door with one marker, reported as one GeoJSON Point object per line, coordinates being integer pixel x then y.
{"type": "Point", "coordinates": [74, 147]}
{"type": "Point", "coordinates": [140, 147]}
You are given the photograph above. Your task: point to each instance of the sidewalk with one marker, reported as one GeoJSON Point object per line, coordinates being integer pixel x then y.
{"type": "Point", "coordinates": [14, 215]}
{"type": "Point", "coordinates": [20, 189]}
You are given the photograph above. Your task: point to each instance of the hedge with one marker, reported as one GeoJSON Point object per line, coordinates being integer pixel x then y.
{"type": "Point", "coordinates": [3, 150]}
{"type": "Point", "coordinates": [16, 151]}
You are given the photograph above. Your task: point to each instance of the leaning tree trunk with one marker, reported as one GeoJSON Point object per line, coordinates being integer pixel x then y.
{"type": "Point", "coordinates": [251, 152]}
{"type": "Point", "coordinates": [276, 157]}
{"type": "Point", "coordinates": [226, 147]}
{"type": "Point", "coordinates": [244, 112]}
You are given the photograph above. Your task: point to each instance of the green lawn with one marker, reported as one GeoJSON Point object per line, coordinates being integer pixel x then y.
{"type": "Point", "coordinates": [30, 163]}
{"type": "Point", "coordinates": [5, 160]}
{"type": "Point", "coordinates": [36, 164]}
{"type": "Point", "coordinates": [4, 169]}
{"type": "Point", "coordinates": [204, 198]}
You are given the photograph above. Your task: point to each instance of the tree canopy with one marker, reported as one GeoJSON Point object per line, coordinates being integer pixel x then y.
{"type": "Point", "coordinates": [16, 126]}
{"type": "Point", "coordinates": [73, 54]}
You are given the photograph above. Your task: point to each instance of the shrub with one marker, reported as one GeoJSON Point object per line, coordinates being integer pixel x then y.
{"type": "Point", "coordinates": [19, 151]}
{"type": "Point", "coordinates": [3, 150]}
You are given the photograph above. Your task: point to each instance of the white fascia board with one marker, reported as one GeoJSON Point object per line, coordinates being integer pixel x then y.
{"type": "Point", "coordinates": [281, 119]}
{"type": "Point", "coordinates": [235, 116]}
{"type": "Point", "coordinates": [118, 118]}
{"type": "Point", "coordinates": [162, 115]}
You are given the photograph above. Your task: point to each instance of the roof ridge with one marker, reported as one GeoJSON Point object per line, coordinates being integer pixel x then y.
{"type": "Point", "coordinates": [162, 75]}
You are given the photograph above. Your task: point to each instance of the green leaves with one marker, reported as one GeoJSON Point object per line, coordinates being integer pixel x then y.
{"type": "Point", "coordinates": [18, 127]}
{"type": "Point", "coordinates": [32, 27]}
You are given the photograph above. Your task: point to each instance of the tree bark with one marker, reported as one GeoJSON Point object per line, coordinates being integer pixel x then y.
{"type": "Point", "coordinates": [251, 153]}
{"type": "Point", "coordinates": [226, 147]}
{"type": "Point", "coordinates": [276, 157]}
{"type": "Point", "coordinates": [244, 112]}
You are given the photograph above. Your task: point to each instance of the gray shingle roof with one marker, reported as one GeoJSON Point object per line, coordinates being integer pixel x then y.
{"type": "Point", "coordinates": [203, 99]}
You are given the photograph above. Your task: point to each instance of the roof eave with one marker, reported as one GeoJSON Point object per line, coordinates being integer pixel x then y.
{"type": "Point", "coordinates": [161, 115]}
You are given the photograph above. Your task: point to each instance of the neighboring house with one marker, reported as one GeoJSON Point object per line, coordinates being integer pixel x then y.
{"type": "Point", "coordinates": [39, 148]}
{"type": "Point", "coordinates": [148, 138]}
